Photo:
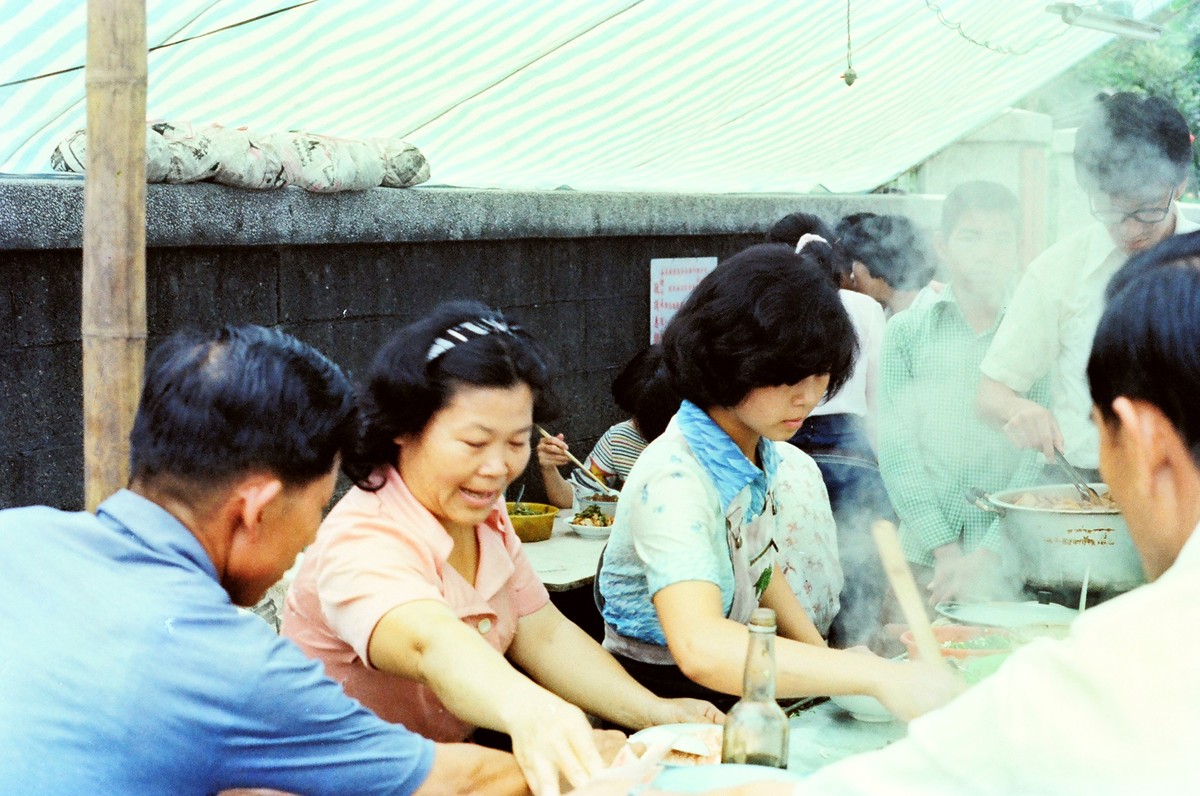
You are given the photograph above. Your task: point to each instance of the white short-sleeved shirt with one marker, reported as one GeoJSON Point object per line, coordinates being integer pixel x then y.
{"type": "Point", "coordinates": [1049, 325]}
{"type": "Point", "coordinates": [1112, 709]}
{"type": "Point", "coordinates": [857, 396]}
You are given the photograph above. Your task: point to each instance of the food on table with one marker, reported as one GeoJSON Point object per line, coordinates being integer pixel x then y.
{"type": "Point", "coordinates": [530, 509]}
{"type": "Point", "coordinates": [599, 498]}
{"type": "Point", "coordinates": [963, 642]}
{"type": "Point", "coordinates": [593, 517]}
{"type": "Point", "coordinates": [684, 741]}
{"type": "Point", "coordinates": [712, 740]}
{"type": "Point", "coordinates": [1031, 500]}
{"type": "Point", "coordinates": [985, 641]}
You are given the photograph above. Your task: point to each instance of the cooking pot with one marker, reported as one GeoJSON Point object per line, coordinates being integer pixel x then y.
{"type": "Point", "coordinates": [1058, 547]}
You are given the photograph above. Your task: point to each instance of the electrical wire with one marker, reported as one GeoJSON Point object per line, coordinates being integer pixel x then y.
{"type": "Point", "coordinates": [849, 52]}
{"type": "Point", "coordinates": [987, 45]}
{"type": "Point", "coordinates": [164, 46]}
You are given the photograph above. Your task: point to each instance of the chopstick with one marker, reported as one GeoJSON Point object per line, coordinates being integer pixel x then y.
{"type": "Point", "coordinates": [901, 578]}
{"type": "Point", "coordinates": [1085, 489]}
{"type": "Point", "coordinates": [605, 488]}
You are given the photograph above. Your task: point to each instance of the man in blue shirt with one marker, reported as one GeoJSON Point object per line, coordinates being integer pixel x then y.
{"type": "Point", "coordinates": [125, 665]}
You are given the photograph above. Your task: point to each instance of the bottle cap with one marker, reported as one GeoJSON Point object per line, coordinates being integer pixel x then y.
{"type": "Point", "coordinates": [763, 617]}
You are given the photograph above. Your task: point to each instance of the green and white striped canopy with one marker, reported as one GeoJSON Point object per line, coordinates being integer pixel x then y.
{"type": "Point", "coordinates": [626, 95]}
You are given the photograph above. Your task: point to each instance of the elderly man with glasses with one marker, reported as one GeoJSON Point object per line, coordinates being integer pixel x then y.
{"type": "Point", "coordinates": [1132, 156]}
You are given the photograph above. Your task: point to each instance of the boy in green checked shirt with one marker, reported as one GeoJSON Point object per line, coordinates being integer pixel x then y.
{"type": "Point", "coordinates": [932, 448]}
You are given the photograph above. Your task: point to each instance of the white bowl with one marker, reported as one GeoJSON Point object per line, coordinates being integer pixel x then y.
{"type": "Point", "coordinates": [607, 507]}
{"type": "Point", "coordinates": [590, 531]}
{"type": "Point", "coordinates": [862, 707]}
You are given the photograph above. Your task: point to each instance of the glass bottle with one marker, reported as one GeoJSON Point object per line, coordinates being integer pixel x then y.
{"type": "Point", "coordinates": [756, 729]}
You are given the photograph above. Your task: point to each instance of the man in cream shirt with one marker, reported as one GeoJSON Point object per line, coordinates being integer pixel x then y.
{"type": "Point", "coordinates": [1132, 156]}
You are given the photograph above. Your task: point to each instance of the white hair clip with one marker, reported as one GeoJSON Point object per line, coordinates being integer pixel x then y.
{"type": "Point", "coordinates": [467, 330]}
{"type": "Point", "coordinates": [808, 238]}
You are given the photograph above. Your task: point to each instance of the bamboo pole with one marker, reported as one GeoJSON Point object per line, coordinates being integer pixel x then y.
{"type": "Point", "coordinates": [113, 314]}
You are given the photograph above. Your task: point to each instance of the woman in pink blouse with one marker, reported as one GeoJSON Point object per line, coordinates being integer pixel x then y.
{"type": "Point", "coordinates": [416, 594]}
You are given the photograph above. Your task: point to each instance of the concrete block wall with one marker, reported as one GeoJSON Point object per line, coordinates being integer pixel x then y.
{"type": "Point", "coordinates": [342, 272]}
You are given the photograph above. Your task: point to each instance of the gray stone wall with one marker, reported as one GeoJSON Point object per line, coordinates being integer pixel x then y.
{"type": "Point", "coordinates": [342, 272]}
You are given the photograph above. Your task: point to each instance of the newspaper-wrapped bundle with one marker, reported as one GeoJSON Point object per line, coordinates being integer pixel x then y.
{"type": "Point", "coordinates": [71, 155]}
{"type": "Point", "coordinates": [183, 153]}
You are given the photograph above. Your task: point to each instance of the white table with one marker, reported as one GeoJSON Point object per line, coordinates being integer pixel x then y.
{"type": "Point", "coordinates": [566, 560]}
{"type": "Point", "coordinates": [825, 734]}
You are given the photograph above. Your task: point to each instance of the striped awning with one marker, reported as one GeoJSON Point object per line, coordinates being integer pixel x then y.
{"type": "Point", "coordinates": [633, 95]}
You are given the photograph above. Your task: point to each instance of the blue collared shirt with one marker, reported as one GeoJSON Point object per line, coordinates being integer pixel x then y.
{"type": "Point", "coordinates": [686, 491]}
{"type": "Point", "coordinates": [125, 668]}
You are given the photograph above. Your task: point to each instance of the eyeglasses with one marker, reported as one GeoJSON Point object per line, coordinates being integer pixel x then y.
{"type": "Point", "coordinates": [1143, 215]}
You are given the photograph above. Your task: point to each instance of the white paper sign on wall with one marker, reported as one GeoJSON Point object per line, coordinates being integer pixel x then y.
{"type": "Point", "coordinates": [671, 280]}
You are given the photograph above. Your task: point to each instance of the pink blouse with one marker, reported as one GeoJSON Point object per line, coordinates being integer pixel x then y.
{"type": "Point", "coordinates": [378, 550]}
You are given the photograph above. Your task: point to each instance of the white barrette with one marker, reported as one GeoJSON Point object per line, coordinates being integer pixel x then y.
{"type": "Point", "coordinates": [808, 238]}
{"type": "Point", "coordinates": [467, 330]}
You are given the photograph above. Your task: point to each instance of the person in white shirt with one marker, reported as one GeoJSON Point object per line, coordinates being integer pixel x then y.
{"type": "Point", "coordinates": [1115, 707]}
{"type": "Point", "coordinates": [1132, 156]}
{"type": "Point", "coordinates": [839, 434]}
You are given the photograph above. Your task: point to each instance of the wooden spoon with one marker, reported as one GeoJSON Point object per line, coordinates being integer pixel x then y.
{"type": "Point", "coordinates": [901, 578]}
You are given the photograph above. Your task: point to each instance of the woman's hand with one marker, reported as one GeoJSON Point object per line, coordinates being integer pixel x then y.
{"type": "Point", "coordinates": [552, 738]}
{"type": "Point", "coordinates": [915, 687]}
{"type": "Point", "coordinates": [684, 711]}
{"type": "Point", "coordinates": [552, 452]}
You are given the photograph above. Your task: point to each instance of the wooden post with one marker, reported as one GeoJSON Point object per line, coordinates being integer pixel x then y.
{"type": "Point", "coordinates": [113, 316]}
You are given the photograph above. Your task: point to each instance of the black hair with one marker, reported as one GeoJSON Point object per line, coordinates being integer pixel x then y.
{"type": "Point", "coordinates": [643, 390]}
{"type": "Point", "coordinates": [1128, 142]}
{"type": "Point", "coordinates": [892, 249]}
{"type": "Point", "coordinates": [1147, 344]}
{"type": "Point", "coordinates": [764, 317]}
{"type": "Point", "coordinates": [978, 196]}
{"type": "Point", "coordinates": [850, 221]}
{"type": "Point", "coordinates": [404, 389]}
{"type": "Point", "coordinates": [793, 226]}
{"type": "Point", "coordinates": [218, 405]}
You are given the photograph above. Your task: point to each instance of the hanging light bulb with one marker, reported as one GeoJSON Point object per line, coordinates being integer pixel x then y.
{"type": "Point", "coordinates": [849, 75]}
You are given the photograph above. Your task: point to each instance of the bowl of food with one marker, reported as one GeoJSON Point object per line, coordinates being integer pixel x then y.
{"type": "Point", "coordinates": [533, 522]}
{"type": "Point", "coordinates": [605, 504]}
{"type": "Point", "coordinates": [862, 707]}
{"type": "Point", "coordinates": [965, 641]}
{"type": "Point", "coordinates": [591, 522]}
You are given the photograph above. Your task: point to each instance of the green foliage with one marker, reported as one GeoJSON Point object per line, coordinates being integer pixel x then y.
{"type": "Point", "coordinates": [1168, 68]}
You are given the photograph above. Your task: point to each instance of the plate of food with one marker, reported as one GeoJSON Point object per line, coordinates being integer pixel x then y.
{"type": "Point", "coordinates": [1011, 615]}
{"type": "Point", "coordinates": [591, 522]}
{"type": "Point", "coordinates": [687, 741]}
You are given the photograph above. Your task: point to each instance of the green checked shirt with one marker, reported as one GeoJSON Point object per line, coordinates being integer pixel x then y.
{"type": "Point", "coordinates": [932, 447]}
